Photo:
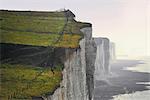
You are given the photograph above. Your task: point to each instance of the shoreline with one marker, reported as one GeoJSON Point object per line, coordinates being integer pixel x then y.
{"type": "Point", "coordinates": [125, 81]}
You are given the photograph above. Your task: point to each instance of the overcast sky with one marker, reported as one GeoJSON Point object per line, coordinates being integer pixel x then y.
{"type": "Point", "coordinates": [125, 22]}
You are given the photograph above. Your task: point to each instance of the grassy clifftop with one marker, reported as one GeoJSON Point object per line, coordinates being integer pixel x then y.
{"type": "Point", "coordinates": [22, 82]}
{"type": "Point", "coordinates": [40, 28]}
{"type": "Point", "coordinates": [32, 44]}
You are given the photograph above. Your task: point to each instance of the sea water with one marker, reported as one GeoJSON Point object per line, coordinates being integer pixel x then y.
{"type": "Point", "coordinates": [139, 95]}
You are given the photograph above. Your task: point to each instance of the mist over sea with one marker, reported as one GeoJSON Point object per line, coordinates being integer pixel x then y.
{"type": "Point", "coordinates": [130, 80]}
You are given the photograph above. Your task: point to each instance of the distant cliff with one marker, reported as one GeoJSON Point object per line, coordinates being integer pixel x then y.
{"type": "Point", "coordinates": [105, 55]}
{"type": "Point", "coordinates": [112, 51]}
{"type": "Point", "coordinates": [102, 63]}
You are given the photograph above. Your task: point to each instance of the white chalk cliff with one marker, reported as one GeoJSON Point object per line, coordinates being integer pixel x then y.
{"type": "Point", "coordinates": [83, 67]}
{"type": "Point", "coordinates": [112, 52]}
{"type": "Point", "coordinates": [78, 73]}
{"type": "Point", "coordinates": [102, 62]}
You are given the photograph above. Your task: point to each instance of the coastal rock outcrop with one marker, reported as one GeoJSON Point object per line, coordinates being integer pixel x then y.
{"type": "Point", "coordinates": [78, 74]}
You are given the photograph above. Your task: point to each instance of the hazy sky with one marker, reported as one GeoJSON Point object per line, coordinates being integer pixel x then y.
{"type": "Point", "coordinates": [125, 22]}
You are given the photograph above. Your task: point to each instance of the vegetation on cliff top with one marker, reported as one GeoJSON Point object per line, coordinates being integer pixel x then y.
{"type": "Point", "coordinates": [21, 81]}
{"type": "Point", "coordinates": [40, 28]}
{"type": "Point", "coordinates": [36, 29]}
{"type": "Point", "coordinates": [31, 38]}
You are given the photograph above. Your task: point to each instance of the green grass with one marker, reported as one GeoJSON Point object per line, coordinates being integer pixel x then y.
{"type": "Point", "coordinates": [31, 38]}
{"type": "Point", "coordinates": [23, 22]}
{"type": "Point", "coordinates": [35, 29]}
{"type": "Point", "coordinates": [22, 82]}
{"type": "Point", "coordinates": [39, 28]}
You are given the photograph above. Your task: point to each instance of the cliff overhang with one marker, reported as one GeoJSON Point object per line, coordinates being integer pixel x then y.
{"type": "Point", "coordinates": [56, 29]}
{"type": "Point", "coordinates": [38, 42]}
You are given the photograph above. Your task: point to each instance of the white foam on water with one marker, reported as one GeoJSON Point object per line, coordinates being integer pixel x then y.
{"type": "Point", "coordinates": [144, 95]}
{"type": "Point", "coordinates": [145, 83]}
{"type": "Point", "coordinates": [139, 95]}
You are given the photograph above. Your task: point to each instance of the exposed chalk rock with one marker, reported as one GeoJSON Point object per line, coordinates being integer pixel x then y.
{"type": "Point", "coordinates": [102, 62]}
{"type": "Point", "coordinates": [112, 52]}
{"type": "Point", "coordinates": [90, 56]}
{"type": "Point", "coordinates": [78, 74]}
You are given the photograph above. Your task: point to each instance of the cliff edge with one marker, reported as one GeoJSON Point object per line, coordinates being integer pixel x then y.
{"type": "Point", "coordinates": [50, 55]}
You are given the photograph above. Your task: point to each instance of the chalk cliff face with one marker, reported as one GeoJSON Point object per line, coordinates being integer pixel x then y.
{"type": "Point", "coordinates": [112, 52]}
{"type": "Point", "coordinates": [78, 74]}
{"type": "Point", "coordinates": [79, 63]}
{"type": "Point", "coordinates": [102, 62]}
{"type": "Point", "coordinates": [90, 56]}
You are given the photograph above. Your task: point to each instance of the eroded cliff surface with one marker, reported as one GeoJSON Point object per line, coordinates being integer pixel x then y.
{"type": "Point", "coordinates": [78, 74]}
{"type": "Point", "coordinates": [50, 41]}
{"type": "Point", "coordinates": [112, 52]}
{"type": "Point", "coordinates": [102, 63]}
{"type": "Point", "coordinates": [90, 55]}
{"type": "Point", "coordinates": [54, 43]}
